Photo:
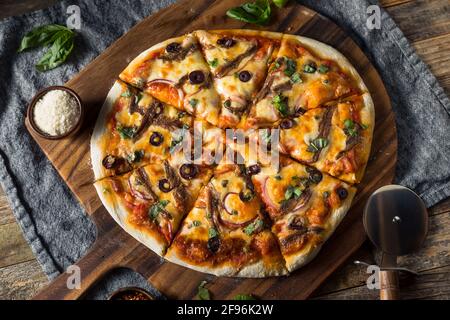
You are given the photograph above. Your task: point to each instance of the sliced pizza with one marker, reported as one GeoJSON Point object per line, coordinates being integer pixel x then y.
{"type": "Point", "coordinates": [335, 139]}
{"type": "Point", "coordinates": [175, 72]}
{"type": "Point", "coordinates": [305, 205]}
{"type": "Point", "coordinates": [227, 233]}
{"type": "Point", "coordinates": [133, 129]}
{"type": "Point", "coordinates": [150, 202]}
{"type": "Point", "coordinates": [238, 60]}
{"type": "Point", "coordinates": [305, 75]}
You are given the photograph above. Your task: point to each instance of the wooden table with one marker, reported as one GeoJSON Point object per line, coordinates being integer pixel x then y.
{"type": "Point", "coordinates": [427, 25]}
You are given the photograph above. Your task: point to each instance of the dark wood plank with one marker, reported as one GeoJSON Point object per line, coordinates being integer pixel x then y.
{"type": "Point", "coordinates": [13, 249]}
{"type": "Point", "coordinates": [435, 52]}
{"type": "Point", "coordinates": [414, 18]}
{"type": "Point", "coordinates": [21, 281]}
{"type": "Point", "coordinates": [17, 7]}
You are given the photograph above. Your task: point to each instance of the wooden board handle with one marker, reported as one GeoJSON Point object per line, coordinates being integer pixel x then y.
{"type": "Point", "coordinates": [389, 286]}
{"type": "Point", "coordinates": [90, 272]}
{"type": "Point", "coordinates": [111, 245]}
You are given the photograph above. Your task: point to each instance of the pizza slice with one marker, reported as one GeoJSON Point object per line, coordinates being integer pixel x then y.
{"type": "Point", "coordinates": [134, 129]}
{"type": "Point", "coordinates": [335, 139]}
{"type": "Point", "coordinates": [305, 75]}
{"type": "Point", "coordinates": [175, 72]}
{"type": "Point", "coordinates": [238, 61]}
{"type": "Point", "coordinates": [150, 202]}
{"type": "Point", "coordinates": [305, 205]}
{"type": "Point", "coordinates": [227, 233]}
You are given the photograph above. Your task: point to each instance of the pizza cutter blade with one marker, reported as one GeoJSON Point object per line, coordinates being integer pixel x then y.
{"type": "Point", "coordinates": [396, 221]}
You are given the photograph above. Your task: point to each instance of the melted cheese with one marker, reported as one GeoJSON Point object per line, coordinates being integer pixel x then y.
{"type": "Point", "coordinates": [170, 72]}
{"type": "Point", "coordinates": [229, 86]}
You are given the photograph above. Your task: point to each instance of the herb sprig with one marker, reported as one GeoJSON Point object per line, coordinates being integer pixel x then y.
{"type": "Point", "coordinates": [60, 40]}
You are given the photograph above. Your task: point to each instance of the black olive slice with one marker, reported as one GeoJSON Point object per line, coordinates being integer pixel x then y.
{"type": "Point", "coordinates": [110, 161]}
{"type": "Point", "coordinates": [164, 185]}
{"type": "Point", "coordinates": [246, 196]}
{"type": "Point", "coordinates": [254, 169]}
{"type": "Point", "coordinates": [286, 123]}
{"type": "Point", "coordinates": [188, 171]}
{"type": "Point", "coordinates": [314, 175]}
{"type": "Point", "coordinates": [342, 193]}
{"type": "Point", "coordinates": [173, 47]}
{"type": "Point", "coordinates": [156, 139]}
{"type": "Point", "coordinates": [245, 76]}
{"type": "Point", "coordinates": [226, 42]}
{"type": "Point", "coordinates": [213, 244]}
{"type": "Point", "coordinates": [196, 77]}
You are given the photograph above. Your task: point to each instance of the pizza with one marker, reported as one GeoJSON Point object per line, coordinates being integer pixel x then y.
{"type": "Point", "coordinates": [332, 138]}
{"type": "Point", "coordinates": [305, 75]}
{"type": "Point", "coordinates": [151, 201]}
{"type": "Point", "coordinates": [233, 152]}
{"type": "Point", "coordinates": [238, 60]}
{"type": "Point", "coordinates": [305, 206]}
{"type": "Point", "coordinates": [176, 72]}
{"type": "Point", "coordinates": [227, 233]}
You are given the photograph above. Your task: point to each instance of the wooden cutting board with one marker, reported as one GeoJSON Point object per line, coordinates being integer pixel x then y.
{"type": "Point", "coordinates": [115, 248]}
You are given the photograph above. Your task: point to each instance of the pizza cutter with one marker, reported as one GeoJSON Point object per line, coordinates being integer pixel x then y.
{"type": "Point", "coordinates": [396, 221]}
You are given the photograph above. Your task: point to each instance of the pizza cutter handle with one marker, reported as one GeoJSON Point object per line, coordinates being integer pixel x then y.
{"type": "Point", "coordinates": [389, 285]}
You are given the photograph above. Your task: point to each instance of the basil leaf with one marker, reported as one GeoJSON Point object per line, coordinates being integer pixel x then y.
{"type": "Point", "coordinates": [296, 78]}
{"type": "Point", "coordinates": [350, 128]}
{"type": "Point", "coordinates": [213, 63]}
{"type": "Point", "coordinates": [257, 12]}
{"type": "Point", "coordinates": [292, 192]}
{"type": "Point", "coordinates": [280, 103]}
{"type": "Point", "coordinates": [317, 144]}
{"type": "Point", "coordinates": [41, 36]}
{"type": "Point", "coordinates": [323, 68]}
{"type": "Point", "coordinates": [310, 67]}
{"type": "Point", "coordinates": [135, 156]}
{"type": "Point", "coordinates": [58, 52]}
{"type": "Point", "coordinates": [196, 223]}
{"type": "Point", "coordinates": [244, 297]}
{"type": "Point", "coordinates": [193, 102]}
{"type": "Point", "coordinates": [203, 293]}
{"type": "Point", "coordinates": [126, 94]}
{"type": "Point", "coordinates": [280, 3]}
{"type": "Point", "coordinates": [157, 208]}
{"type": "Point", "coordinates": [253, 227]}
{"type": "Point", "coordinates": [126, 132]}
{"type": "Point", "coordinates": [212, 233]}
{"type": "Point", "coordinates": [174, 144]}
{"type": "Point", "coordinates": [291, 67]}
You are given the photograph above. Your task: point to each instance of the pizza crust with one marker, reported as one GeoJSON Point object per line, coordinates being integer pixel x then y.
{"type": "Point", "coordinates": [325, 51]}
{"type": "Point", "coordinates": [261, 270]}
{"type": "Point", "coordinates": [125, 75]}
{"type": "Point", "coordinates": [299, 259]}
{"type": "Point", "coordinates": [255, 270]}
{"type": "Point", "coordinates": [222, 271]}
{"type": "Point", "coordinates": [119, 214]}
{"type": "Point", "coordinates": [100, 129]}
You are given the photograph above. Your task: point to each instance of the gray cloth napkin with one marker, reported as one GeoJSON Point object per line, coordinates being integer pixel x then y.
{"type": "Point", "coordinates": [53, 222]}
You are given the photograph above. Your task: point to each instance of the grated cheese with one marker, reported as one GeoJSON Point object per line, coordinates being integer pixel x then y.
{"type": "Point", "coordinates": [56, 112]}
